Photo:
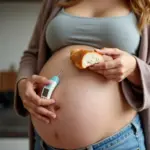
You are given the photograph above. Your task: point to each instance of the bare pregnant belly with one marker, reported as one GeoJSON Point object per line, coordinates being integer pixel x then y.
{"type": "Point", "coordinates": [88, 107]}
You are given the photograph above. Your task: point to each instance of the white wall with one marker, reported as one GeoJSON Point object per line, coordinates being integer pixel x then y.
{"type": "Point", "coordinates": [16, 25]}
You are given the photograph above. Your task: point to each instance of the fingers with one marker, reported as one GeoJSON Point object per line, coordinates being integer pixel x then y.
{"type": "Point", "coordinates": [36, 106]}
{"type": "Point", "coordinates": [40, 113]}
{"type": "Point", "coordinates": [107, 58]}
{"type": "Point", "coordinates": [98, 67]}
{"type": "Point", "coordinates": [39, 109]}
{"type": "Point", "coordinates": [115, 78]}
{"type": "Point", "coordinates": [112, 64]}
{"type": "Point", "coordinates": [39, 117]}
{"type": "Point", "coordinates": [46, 102]}
{"type": "Point", "coordinates": [44, 112]}
{"type": "Point", "coordinates": [31, 95]}
{"type": "Point", "coordinates": [40, 80]}
{"type": "Point", "coordinates": [117, 67]}
{"type": "Point", "coordinates": [118, 76]}
{"type": "Point", "coordinates": [111, 51]}
{"type": "Point", "coordinates": [112, 73]}
{"type": "Point", "coordinates": [107, 65]}
{"type": "Point", "coordinates": [31, 109]}
{"type": "Point", "coordinates": [115, 71]}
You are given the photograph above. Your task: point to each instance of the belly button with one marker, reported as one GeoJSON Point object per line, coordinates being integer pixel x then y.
{"type": "Point", "coordinates": [56, 135]}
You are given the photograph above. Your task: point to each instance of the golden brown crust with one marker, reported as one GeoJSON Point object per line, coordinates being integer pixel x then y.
{"type": "Point", "coordinates": [77, 55]}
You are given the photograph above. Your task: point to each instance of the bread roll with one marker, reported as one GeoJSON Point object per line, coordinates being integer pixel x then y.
{"type": "Point", "coordinates": [82, 58]}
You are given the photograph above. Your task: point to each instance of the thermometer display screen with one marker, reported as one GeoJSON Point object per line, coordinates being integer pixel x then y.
{"type": "Point", "coordinates": [45, 92]}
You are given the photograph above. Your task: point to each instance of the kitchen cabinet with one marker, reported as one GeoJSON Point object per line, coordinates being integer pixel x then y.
{"type": "Point", "coordinates": [7, 81]}
{"type": "Point", "coordinates": [10, 124]}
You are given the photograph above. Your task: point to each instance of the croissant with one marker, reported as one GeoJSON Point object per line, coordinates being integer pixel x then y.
{"type": "Point", "coordinates": [82, 58]}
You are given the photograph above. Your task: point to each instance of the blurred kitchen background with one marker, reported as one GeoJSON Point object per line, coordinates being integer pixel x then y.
{"type": "Point", "coordinates": [17, 20]}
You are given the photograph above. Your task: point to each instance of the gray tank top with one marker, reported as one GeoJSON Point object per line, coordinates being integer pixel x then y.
{"type": "Point", "coordinates": [114, 32]}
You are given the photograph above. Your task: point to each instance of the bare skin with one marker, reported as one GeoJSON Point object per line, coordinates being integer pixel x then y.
{"type": "Point", "coordinates": [88, 107]}
{"type": "Point", "coordinates": [99, 8]}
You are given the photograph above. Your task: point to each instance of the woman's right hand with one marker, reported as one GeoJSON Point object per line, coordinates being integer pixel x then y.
{"type": "Point", "coordinates": [35, 105]}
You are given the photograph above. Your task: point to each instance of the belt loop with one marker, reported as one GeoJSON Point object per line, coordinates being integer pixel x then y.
{"type": "Point", "coordinates": [42, 145]}
{"type": "Point", "coordinates": [136, 124]}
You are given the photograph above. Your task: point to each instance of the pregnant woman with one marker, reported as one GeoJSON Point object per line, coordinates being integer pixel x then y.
{"type": "Point", "coordinates": [103, 107]}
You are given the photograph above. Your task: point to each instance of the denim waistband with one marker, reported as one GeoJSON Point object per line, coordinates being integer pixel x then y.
{"type": "Point", "coordinates": [133, 126]}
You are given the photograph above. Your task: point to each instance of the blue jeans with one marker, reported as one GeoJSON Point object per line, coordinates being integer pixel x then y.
{"type": "Point", "coordinates": [130, 137]}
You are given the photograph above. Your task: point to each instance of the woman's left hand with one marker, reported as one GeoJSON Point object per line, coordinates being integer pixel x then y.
{"type": "Point", "coordinates": [118, 68]}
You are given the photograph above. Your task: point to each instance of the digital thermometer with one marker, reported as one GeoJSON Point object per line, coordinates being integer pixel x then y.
{"type": "Point", "coordinates": [48, 89]}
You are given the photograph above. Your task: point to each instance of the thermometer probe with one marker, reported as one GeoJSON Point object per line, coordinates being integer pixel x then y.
{"type": "Point", "coordinates": [48, 89]}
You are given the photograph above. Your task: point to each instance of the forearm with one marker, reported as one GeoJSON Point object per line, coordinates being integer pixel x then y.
{"type": "Point", "coordinates": [27, 66]}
